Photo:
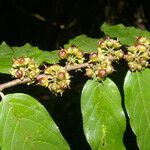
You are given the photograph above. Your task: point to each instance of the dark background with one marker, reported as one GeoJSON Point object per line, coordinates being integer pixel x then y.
{"type": "Point", "coordinates": [49, 24]}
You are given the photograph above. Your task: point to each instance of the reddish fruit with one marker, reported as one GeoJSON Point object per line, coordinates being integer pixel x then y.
{"type": "Point", "coordinates": [63, 85]}
{"type": "Point", "coordinates": [42, 80]}
{"type": "Point", "coordinates": [102, 73]}
{"type": "Point", "coordinates": [21, 60]}
{"type": "Point", "coordinates": [19, 74]}
{"type": "Point", "coordinates": [94, 57]}
{"type": "Point", "coordinates": [143, 61]}
{"type": "Point", "coordinates": [62, 54]}
{"type": "Point", "coordinates": [61, 76]}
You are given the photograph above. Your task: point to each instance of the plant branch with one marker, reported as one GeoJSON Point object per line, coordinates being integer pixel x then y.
{"type": "Point", "coordinates": [78, 66]}
{"type": "Point", "coordinates": [13, 83]}
{"type": "Point", "coordinates": [27, 80]}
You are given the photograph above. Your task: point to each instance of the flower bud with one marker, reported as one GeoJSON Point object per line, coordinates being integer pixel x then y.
{"type": "Point", "coordinates": [139, 67]}
{"type": "Point", "coordinates": [102, 73]}
{"type": "Point", "coordinates": [119, 54]}
{"type": "Point", "coordinates": [63, 85]}
{"type": "Point", "coordinates": [89, 72]}
{"type": "Point", "coordinates": [94, 57]}
{"type": "Point", "coordinates": [143, 62]}
{"type": "Point", "coordinates": [132, 49]}
{"type": "Point", "coordinates": [141, 40]}
{"type": "Point", "coordinates": [116, 44]}
{"type": "Point", "coordinates": [75, 50]}
{"type": "Point", "coordinates": [63, 54]}
{"type": "Point", "coordinates": [20, 74]}
{"type": "Point", "coordinates": [102, 44]}
{"type": "Point", "coordinates": [109, 69]}
{"type": "Point", "coordinates": [80, 54]}
{"type": "Point", "coordinates": [109, 43]}
{"type": "Point", "coordinates": [141, 47]}
{"type": "Point", "coordinates": [61, 76]}
{"type": "Point", "coordinates": [19, 62]}
{"type": "Point", "coordinates": [42, 80]}
{"type": "Point", "coordinates": [129, 57]}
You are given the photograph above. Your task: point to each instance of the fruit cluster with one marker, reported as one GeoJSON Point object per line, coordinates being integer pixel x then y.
{"type": "Point", "coordinates": [56, 78]}
{"type": "Point", "coordinates": [72, 55]}
{"type": "Point", "coordinates": [108, 51]}
{"type": "Point", "coordinates": [25, 67]}
{"type": "Point", "coordinates": [138, 55]}
{"type": "Point", "coordinates": [98, 66]}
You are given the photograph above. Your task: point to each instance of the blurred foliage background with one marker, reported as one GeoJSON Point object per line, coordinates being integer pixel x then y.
{"type": "Point", "coordinates": [49, 24]}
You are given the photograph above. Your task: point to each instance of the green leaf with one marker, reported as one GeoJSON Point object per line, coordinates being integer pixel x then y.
{"type": "Point", "coordinates": [137, 103]}
{"type": "Point", "coordinates": [84, 43]}
{"type": "Point", "coordinates": [26, 125]}
{"type": "Point", "coordinates": [103, 117]}
{"type": "Point", "coordinates": [7, 54]}
{"type": "Point", "coordinates": [49, 57]}
{"type": "Point", "coordinates": [126, 35]}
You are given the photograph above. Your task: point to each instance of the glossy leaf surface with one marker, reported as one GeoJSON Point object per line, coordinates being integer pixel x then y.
{"type": "Point", "coordinates": [84, 43]}
{"type": "Point", "coordinates": [26, 125]}
{"type": "Point", "coordinates": [103, 116]}
{"type": "Point", "coordinates": [137, 103]}
{"type": "Point", "coordinates": [7, 54]}
{"type": "Point", "coordinates": [126, 35]}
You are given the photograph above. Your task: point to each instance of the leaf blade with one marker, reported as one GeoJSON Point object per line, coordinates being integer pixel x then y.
{"type": "Point", "coordinates": [84, 43]}
{"type": "Point", "coordinates": [136, 88]}
{"type": "Point", "coordinates": [31, 126]}
{"type": "Point", "coordinates": [103, 119]}
{"type": "Point", "coordinates": [126, 35]}
{"type": "Point", "coordinates": [7, 54]}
